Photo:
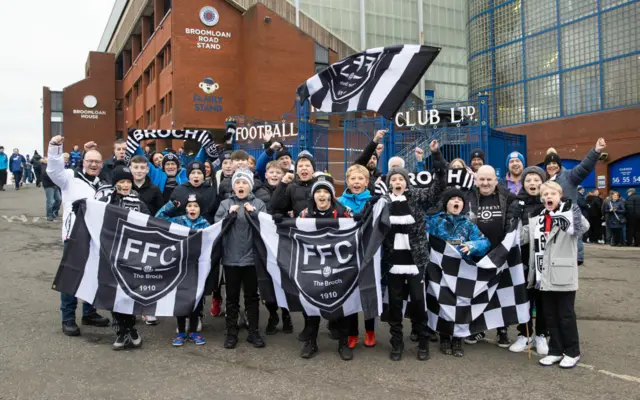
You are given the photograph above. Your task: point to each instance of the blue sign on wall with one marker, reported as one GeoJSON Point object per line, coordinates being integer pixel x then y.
{"type": "Point", "coordinates": [625, 172]}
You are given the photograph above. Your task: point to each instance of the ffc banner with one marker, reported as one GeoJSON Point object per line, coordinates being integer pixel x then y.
{"type": "Point", "coordinates": [324, 267]}
{"type": "Point", "coordinates": [464, 297]}
{"type": "Point", "coordinates": [128, 262]}
{"type": "Point", "coordinates": [135, 136]}
{"type": "Point", "coordinates": [377, 80]}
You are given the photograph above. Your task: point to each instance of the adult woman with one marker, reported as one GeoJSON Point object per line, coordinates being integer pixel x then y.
{"type": "Point", "coordinates": [208, 173]}
{"type": "Point", "coordinates": [615, 217]}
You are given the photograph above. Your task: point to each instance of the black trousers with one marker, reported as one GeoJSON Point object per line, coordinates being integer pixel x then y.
{"type": "Point", "coordinates": [245, 278]}
{"type": "Point", "coordinates": [312, 323]}
{"type": "Point", "coordinates": [38, 174]}
{"type": "Point", "coordinates": [194, 318]}
{"type": "Point", "coordinates": [354, 324]}
{"type": "Point", "coordinates": [616, 234]}
{"type": "Point", "coordinates": [397, 286]}
{"type": "Point", "coordinates": [3, 178]}
{"type": "Point", "coordinates": [633, 230]}
{"type": "Point", "coordinates": [535, 297]}
{"type": "Point", "coordinates": [595, 229]}
{"type": "Point", "coordinates": [122, 323]}
{"type": "Point", "coordinates": [561, 321]}
{"type": "Point", "coordinates": [273, 308]}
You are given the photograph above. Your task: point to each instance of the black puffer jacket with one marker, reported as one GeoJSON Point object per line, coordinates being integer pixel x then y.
{"type": "Point", "coordinates": [594, 207]}
{"type": "Point", "coordinates": [632, 206]}
{"type": "Point", "coordinates": [292, 197]}
{"type": "Point", "coordinates": [107, 168]}
{"type": "Point", "coordinates": [265, 193]}
{"type": "Point", "coordinates": [524, 207]}
{"type": "Point", "coordinates": [151, 195]}
{"type": "Point", "coordinates": [205, 190]}
{"type": "Point", "coordinates": [130, 202]}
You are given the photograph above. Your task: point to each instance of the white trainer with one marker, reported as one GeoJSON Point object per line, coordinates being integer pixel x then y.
{"type": "Point", "coordinates": [550, 360]}
{"type": "Point", "coordinates": [569, 362]}
{"type": "Point", "coordinates": [149, 320]}
{"type": "Point", "coordinates": [542, 347]}
{"type": "Point", "coordinates": [521, 344]}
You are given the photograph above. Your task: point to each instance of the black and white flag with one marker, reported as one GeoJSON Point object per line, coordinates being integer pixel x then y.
{"type": "Point", "coordinates": [325, 267]}
{"type": "Point", "coordinates": [377, 80]}
{"type": "Point", "coordinates": [135, 136]}
{"type": "Point", "coordinates": [464, 297]}
{"type": "Point", "coordinates": [131, 263]}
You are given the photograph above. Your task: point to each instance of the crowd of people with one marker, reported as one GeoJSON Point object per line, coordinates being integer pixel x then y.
{"type": "Point", "coordinates": [24, 170]}
{"type": "Point", "coordinates": [474, 220]}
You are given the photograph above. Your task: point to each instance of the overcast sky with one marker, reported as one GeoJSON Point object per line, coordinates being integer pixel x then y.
{"type": "Point", "coordinates": [44, 43]}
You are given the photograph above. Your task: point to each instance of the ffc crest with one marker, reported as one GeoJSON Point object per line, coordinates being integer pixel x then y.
{"type": "Point", "coordinates": [146, 262]}
{"type": "Point", "coordinates": [352, 75]}
{"type": "Point", "coordinates": [327, 265]}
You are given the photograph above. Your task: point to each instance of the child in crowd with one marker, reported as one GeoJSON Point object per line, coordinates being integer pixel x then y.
{"type": "Point", "coordinates": [454, 227]}
{"type": "Point", "coordinates": [553, 246]}
{"type": "Point", "coordinates": [355, 197]}
{"type": "Point", "coordinates": [149, 193]}
{"type": "Point", "coordinates": [197, 184]}
{"type": "Point", "coordinates": [191, 218]}
{"type": "Point", "coordinates": [323, 204]}
{"type": "Point", "coordinates": [238, 258]}
{"type": "Point", "coordinates": [292, 194]}
{"type": "Point", "coordinates": [123, 196]}
{"type": "Point", "coordinates": [526, 206]}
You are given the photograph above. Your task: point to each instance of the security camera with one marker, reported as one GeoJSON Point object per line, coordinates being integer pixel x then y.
{"type": "Point", "coordinates": [267, 19]}
{"type": "Point", "coordinates": [604, 156]}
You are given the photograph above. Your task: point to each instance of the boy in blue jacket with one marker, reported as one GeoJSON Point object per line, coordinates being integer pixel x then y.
{"type": "Point", "coordinates": [454, 227]}
{"type": "Point", "coordinates": [193, 220]}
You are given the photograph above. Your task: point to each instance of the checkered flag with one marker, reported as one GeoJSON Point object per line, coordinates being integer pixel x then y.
{"type": "Point", "coordinates": [464, 297]}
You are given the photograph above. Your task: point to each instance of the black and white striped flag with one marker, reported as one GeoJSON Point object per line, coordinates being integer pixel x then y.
{"type": "Point", "coordinates": [324, 267]}
{"type": "Point", "coordinates": [135, 136]}
{"type": "Point", "coordinates": [130, 263]}
{"type": "Point", "coordinates": [377, 80]}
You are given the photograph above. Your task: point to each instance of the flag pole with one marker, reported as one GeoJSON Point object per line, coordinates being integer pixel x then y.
{"type": "Point", "coordinates": [528, 341]}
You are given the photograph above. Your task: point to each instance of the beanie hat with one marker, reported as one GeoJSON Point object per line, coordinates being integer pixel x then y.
{"type": "Point", "coordinates": [195, 198]}
{"type": "Point", "coordinates": [553, 157]}
{"type": "Point", "coordinates": [515, 154]}
{"type": "Point", "coordinates": [323, 182]}
{"type": "Point", "coordinates": [451, 193]}
{"type": "Point", "coordinates": [477, 153]}
{"type": "Point", "coordinates": [243, 173]}
{"type": "Point", "coordinates": [195, 165]}
{"type": "Point", "coordinates": [170, 157]}
{"type": "Point", "coordinates": [226, 155]}
{"type": "Point", "coordinates": [395, 171]}
{"type": "Point", "coordinates": [119, 173]}
{"type": "Point", "coordinates": [305, 155]}
{"type": "Point", "coordinates": [283, 152]}
{"type": "Point", "coordinates": [534, 170]}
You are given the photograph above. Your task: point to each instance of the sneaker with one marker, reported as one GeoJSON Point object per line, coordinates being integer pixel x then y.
{"type": "Point", "coordinates": [550, 360]}
{"type": "Point", "coordinates": [180, 339]}
{"type": "Point", "coordinates": [569, 362]}
{"type": "Point", "coordinates": [521, 344]}
{"type": "Point", "coordinates": [432, 335]}
{"type": "Point", "coordinates": [423, 350]}
{"type": "Point", "coordinates": [272, 324]}
{"type": "Point", "coordinates": [95, 319]}
{"type": "Point", "coordinates": [352, 342]}
{"type": "Point", "coordinates": [396, 351]}
{"type": "Point", "coordinates": [446, 347]}
{"type": "Point", "coordinates": [503, 339]}
{"type": "Point", "coordinates": [456, 347]}
{"type": "Point", "coordinates": [196, 339]}
{"type": "Point", "coordinates": [370, 339]}
{"type": "Point", "coordinates": [414, 336]}
{"type": "Point", "coordinates": [216, 307]}
{"type": "Point", "coordinates": [230, 342]}
{"type": "Point", "coordinates": [309, 349]}
{"type": "Point", "coordinates": [149, 320]}
{"type": "Point", "coordinates": [70, 328]}
{"type": "Point", "coordinates": [473, 339]}
{"type": "Point", "coordinates": [305, 334]}
{"type": "Point", "coordinates": [135, 338]}
{"type": "Point", "coordinates": [287, 324]}
{"type": "Point", "coordinates": [346, 353]}
{"type": "Point", "coordinates": [121, 342]}
{"type": "Point", "coordinates": [542, 347]}
{"type": "Point", "coordinates": [256, 340]}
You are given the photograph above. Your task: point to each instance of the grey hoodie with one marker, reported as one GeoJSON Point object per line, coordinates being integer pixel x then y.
{"type": "Point", "coordinates": [237, 243]}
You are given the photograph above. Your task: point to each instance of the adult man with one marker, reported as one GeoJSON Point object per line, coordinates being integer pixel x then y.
{"type": "Point", "coordinates": [37, 168]}
{"type": "Point", "coordinates": [119, 151]}
{"type": "Point", "coordinates": [52, 193]}
{"type": "Point", "coordinates": [594, 215]}
{"type": "Point", "coordinates": [489, 204]}
{"type": "Point", "coordinates": [4, 164]}
{"type": "Point", "coordinates": [75, 185]}
{"type": "Point", "coordinates": [27, 175]}
{"type": "Point", "coordinates": [369, 159]}
{"type": "Point", "coordinates": [632, 206]}
{"type": "Point", "coordinates": [477, 159]}
{"type": "Point", "coordinates": [75, 157]}
{"type": "Point", "coordinates": [16, 166]}
{"type": "Point", "coordinates": [515, 165]}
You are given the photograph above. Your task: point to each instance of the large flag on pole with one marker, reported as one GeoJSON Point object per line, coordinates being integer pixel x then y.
{"type": "Point", "coordinates": [325, 267]}
{"type": "Point", "coordinates": [128, 262]}
{"type": "Point", "coordinates": [466, 297]}
{"type": "Point", "coordinates": [377, 80]}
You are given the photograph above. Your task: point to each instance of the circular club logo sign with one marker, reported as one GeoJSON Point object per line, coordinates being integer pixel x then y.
{"type": "Point", "coordinates": [90, 101]}
{"type": "Point", "coordinates": [209, 16]}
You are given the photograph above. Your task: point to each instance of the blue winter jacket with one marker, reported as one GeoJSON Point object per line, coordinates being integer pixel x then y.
{"type": "Point", "coordinates": [75, 157]}
{"type": "Point", "coordinates": [159, 177]}
{"type": "Point", "coordinates": [355, 202]}
{"type": "Point", "coordinates": [458, 227]}
{"type": "Point", "coordinates": [569, 179]}
{"type": "Point", "coordinates": [16, 163]}
{"type": "Point", "coordinates": [4, 161]}
{"type": "Point", "coordinates": [170, 209]}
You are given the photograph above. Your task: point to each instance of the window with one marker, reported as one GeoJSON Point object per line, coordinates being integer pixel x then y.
{"type": "Point", "coordinates": [169, 101]}
{"type": "Point", "coordinates": [118, 105]}
{"type": "Point", "coordinates": [56, 129]}
{"type": "Point", "coordinates": [167, 6]}
{"type": "Point", "coordinates": [162, 108]}
{"type": "Point", "coordinates": [138, 87]}
{"type": "Point", "coordinates": [119, 135]}
{"type": "Point", "coordinates": [167, 54]}
{"type": "Point", "coordinates": [149, 74]}
{"type": "Point", "coordinates": [149, 117]}
{"type": "Point", "coordinates": [161, 59]}
{"type": "Point", "coordinates": [321, 56]}
{"type": "Point", "coordinates": [127, 99]}
{"type": "Point", "coordinates": [56, 101]}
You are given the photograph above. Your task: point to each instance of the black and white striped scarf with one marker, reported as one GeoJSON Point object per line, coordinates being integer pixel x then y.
{"type": "Point", "coordinates": [401, 219]}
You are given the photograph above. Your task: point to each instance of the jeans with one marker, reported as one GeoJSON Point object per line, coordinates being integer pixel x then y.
{"type": "Point", "coordinates": [28, 176]}
{"type": "Point", "coordinates": [244, 278]}
{"type": "Point", "coordinates": [17, 178]}
{"type": "Point", "coordinates": [580, 250]}
{"type": "Point", "coordinates": [53, 201]}
{"type": "Point", "coordinates": [560, 316]}
{"type": "Point", "coordinates": [69, 303]}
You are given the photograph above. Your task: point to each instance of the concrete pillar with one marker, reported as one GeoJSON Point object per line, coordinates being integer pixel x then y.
{"type": "Point", "coordinates": [158, 12]}
{"type": "Point", "coordinates": [126, 60]}
{"type": "Point", "coordinates": [147, 29]}
{"type": "Point", "coordinates": [136, 46]}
